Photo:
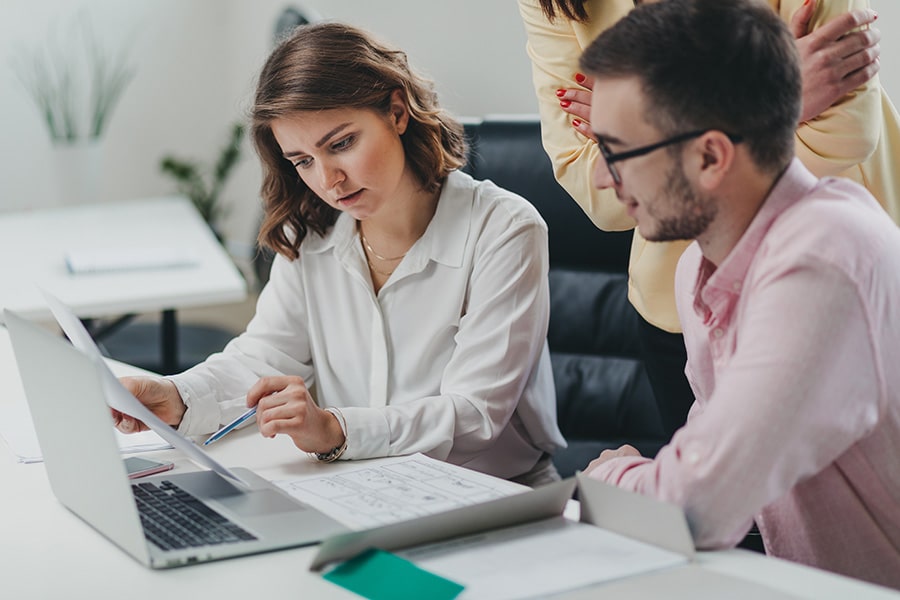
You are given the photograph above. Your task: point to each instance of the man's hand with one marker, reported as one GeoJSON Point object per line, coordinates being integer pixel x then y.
{"type": "Point", "coordinates": [834, 59]}
{"type": "Point", "coordinates": [607, 455]}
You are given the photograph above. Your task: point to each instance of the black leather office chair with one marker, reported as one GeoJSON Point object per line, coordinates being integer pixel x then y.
{"type": "Point", "coordinates": [604, 398]}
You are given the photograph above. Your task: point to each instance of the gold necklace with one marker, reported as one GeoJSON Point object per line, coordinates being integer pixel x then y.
{"type": "Point", "coordinates": [375, 254]}
{"type": "Point", "coordinates": [379, 271]}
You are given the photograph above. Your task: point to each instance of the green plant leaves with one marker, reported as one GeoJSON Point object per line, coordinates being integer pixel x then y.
{"type": "Point", "coordinates": [192, 182]}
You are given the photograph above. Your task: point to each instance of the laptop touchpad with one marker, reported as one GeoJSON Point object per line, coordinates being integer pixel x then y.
{"type": "Point", "coordinates": [260, 502]}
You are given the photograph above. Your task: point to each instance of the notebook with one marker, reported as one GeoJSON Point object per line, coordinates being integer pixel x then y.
{"type": "Point", "coordinates": [67, 394]}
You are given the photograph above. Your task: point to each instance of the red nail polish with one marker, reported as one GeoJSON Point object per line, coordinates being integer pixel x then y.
{"type": "Point", "coordinates": [576, 122]}
{"type": "Point", "coordinates": [875, 18]}
{"type": "Point", "coordinates": [560, 92]}
{"type": "Point", "coordinates": [565, 103]}
{"type": "Point", "coordinates": [580, 78]}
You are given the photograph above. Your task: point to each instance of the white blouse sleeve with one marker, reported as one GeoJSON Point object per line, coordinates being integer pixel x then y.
{"type": "Point", "coordinates": [276, 342]}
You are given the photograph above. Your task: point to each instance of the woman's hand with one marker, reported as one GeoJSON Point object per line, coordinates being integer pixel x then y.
{"type": "Point", "coordinates": [577, 102]}
{"type": "Point", "coordinates": [159, 395]}
{"type": "Point", "coordinates": [284, 405]}
{"type": "Point", "coordinates": [834, 59]}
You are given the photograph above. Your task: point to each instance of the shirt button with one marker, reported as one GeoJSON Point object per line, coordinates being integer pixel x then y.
{"type": "Point", "coordinates": [736, 286]}
{"type": "Point", "coordinates": [693, 457]}
{"type": "Point", "coordinates": [718, 333]}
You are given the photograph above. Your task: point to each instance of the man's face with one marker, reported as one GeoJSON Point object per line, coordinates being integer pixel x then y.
{"type": "Point", "coordinates": [656, 191]}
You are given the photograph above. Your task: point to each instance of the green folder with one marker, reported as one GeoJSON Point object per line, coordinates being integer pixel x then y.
{"type": "Point", "coordinates": [379, 575]}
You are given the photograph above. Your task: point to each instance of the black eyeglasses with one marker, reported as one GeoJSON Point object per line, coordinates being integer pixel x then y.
{"type": "Point", "coordinates": [612, 158]}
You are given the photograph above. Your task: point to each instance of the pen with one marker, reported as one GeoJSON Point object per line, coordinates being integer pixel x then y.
{"type": "Point", "coordinates": [227, 428]}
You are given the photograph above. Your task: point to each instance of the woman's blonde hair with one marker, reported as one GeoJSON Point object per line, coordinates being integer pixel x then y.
{"type": "Point", "coordinates": [331, 65]}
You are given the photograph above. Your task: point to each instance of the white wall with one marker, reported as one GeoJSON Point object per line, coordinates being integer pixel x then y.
{"type": "Point", "coordinates": [195, 65]}
{"type": "Point", "coordinates": [889, 24]}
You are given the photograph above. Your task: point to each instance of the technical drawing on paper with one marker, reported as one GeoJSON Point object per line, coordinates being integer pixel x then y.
{"type": "Point", "coordinates": [396, 490]}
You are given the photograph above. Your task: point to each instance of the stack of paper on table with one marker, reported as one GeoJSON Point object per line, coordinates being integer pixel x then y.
{"type": "Point", "coordinates": [540, 558]}
{"type": "Point", "coordinates": [100, 260]}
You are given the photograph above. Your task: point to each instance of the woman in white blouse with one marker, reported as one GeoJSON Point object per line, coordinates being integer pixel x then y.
{"type": "Point", "coordinates": [410, 297]}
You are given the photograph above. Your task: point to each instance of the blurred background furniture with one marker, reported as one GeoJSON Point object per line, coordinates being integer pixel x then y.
{"type": "Point", "coordinates": [33, 245]}
{"type": "Point", "coordinates": [135, 343]}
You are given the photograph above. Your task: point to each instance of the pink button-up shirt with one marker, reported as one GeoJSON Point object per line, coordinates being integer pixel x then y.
{"type": "Point", "coordinates": [794, 356]}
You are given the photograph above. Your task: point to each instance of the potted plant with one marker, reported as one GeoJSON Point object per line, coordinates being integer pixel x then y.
{"type": "Point", "coordinates": [75, 84]}
{"type": "Point", "coordinates": [55, 79]}
{"type": "Point", "coordinates": [203, 185]}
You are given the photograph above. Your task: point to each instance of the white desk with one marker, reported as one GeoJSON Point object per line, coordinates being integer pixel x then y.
{"type": "Point", "coordinates": [47, 552]}
{"type": "Point", "coordinates": [33, 245]}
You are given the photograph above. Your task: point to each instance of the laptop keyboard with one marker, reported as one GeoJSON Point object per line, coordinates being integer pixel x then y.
{"type": "Point", "coordinates": [174, 519]}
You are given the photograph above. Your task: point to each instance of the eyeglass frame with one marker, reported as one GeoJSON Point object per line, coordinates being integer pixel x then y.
{"type": "Point", "coordinates": [612, 157]}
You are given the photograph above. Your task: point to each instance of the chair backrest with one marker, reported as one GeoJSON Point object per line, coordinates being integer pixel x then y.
{"type": "Point", "coordinates": [509, 153]}
{"type": "Point", "coordinates": [603, 395]}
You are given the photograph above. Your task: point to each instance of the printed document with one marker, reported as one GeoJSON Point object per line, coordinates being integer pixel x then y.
{"type": "Point", "coordinates": [119, 398]}
{"type": "Point", "coordinates": [405, 487]}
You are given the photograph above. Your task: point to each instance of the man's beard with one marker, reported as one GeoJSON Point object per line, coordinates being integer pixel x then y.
{"type": "Point", "coordinates": [698, 211]}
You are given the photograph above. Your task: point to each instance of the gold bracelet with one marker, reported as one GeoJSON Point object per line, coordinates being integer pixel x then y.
{"type": "Point", "coordinates": [337, 451]}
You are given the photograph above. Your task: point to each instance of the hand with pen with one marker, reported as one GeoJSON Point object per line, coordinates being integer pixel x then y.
{"type": "Point", "coordinates": [285, 406]}
{"type": "Point", "coordinates": [281, 404]}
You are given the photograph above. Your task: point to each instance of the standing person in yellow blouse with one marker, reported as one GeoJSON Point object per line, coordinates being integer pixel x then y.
{"type": "Point", "coordinates": [848, 128]}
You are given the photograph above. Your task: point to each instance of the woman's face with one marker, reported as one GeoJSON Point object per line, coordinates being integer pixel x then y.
{"type": "Point", "coordinates": [351, 158]}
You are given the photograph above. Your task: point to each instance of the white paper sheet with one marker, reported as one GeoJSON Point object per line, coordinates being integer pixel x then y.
{"type": "Point", "coordinates": [119, 398]}
{"type": "Point", "coordinates": [539, 559]}
{"type": "Point", "coordinates": [18, 431]}
{"type": "Point", "coordinates": [398, 489]}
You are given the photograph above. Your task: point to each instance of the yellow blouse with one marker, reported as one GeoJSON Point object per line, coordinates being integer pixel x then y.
{"type": "Point", "coordinates": [858, 137]}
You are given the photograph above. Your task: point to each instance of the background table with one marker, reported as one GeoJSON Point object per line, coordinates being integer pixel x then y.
{"type": "Point", "coordinates": [33, 246]}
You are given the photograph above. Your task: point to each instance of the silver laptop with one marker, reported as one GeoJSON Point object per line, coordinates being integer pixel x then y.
{"type": "Point", "coordinates": [214, 517]}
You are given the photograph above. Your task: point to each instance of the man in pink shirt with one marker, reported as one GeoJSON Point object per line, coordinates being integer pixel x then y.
{"type": "Point", "coordinates": [789, 297]}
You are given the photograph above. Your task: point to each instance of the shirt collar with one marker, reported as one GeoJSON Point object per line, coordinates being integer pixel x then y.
{"type": "Point", "coordinates": [444, 240]}
{"type": "Point", "coordinates": [728, 278]}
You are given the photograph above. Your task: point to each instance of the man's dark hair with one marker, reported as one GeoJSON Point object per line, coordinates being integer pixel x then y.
{"type": "Point", "coordinates": [729, 65]}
